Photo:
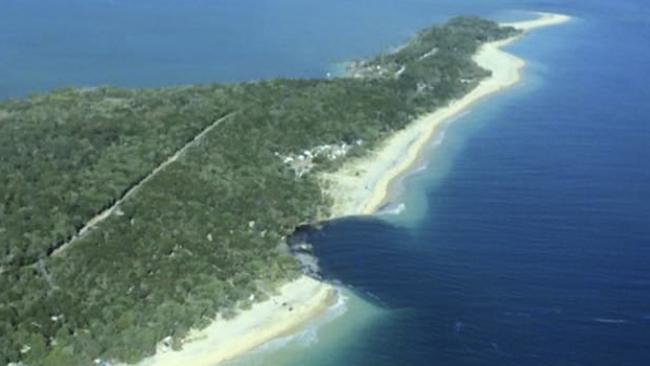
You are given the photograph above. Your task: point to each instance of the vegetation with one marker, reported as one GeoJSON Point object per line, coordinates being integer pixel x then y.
{"type": "Point", "coordinates": [69, 154]}
{"type": "Point", "coordinates": [201, 235]}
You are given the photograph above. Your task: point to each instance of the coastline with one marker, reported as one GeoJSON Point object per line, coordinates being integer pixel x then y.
{"type": "Point", "coordinates": [362, 185]}
{"type": "Point", "coordinates": [297, 303]}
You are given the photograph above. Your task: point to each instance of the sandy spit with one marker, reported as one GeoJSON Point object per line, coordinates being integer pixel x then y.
{"type": "Point", "coordinates": [361, 186]}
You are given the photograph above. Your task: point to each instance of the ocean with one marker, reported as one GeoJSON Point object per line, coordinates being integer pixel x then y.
{"type": "Point", "coordinates": [523, 236]}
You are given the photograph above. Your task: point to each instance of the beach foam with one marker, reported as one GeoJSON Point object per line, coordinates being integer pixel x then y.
{"type": "Point", "coordinates": [393, 209]}
{"type": "Point", "coordinates": [297, 304]}
{"type": "Point", "coordinates": [309, 335]}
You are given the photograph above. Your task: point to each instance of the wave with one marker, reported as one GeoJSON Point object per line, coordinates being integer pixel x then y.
{"type": "Point", "coordinates": [420, 168]}
{"type": "Point", "coordinates": [309, 335]}
{"type": "Point", "coordinates": [610, 321]}
{"type": "Point", "coordinates": [518, 314]}
{"type": "Point", "coordinates": [393, 209]}
{"type": "Point", "coordinates": [440, 137]}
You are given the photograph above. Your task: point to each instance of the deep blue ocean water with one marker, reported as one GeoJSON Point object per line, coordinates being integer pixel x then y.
{"type": "Point", "coordinates": [526, 239]}
{"type": "Point", "coordinates": [533, 246]}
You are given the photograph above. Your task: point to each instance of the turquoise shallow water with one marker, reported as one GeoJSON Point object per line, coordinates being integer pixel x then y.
{"type": "Point", "coordinates": [524, 237]}
{"type": "Point", "coordinates": [326, 340]}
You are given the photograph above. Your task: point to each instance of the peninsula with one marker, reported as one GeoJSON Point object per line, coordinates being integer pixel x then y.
{"type": "Point", "coordinates": [149, 225]}
{"type": "Point", "coordinates": [361, 185]}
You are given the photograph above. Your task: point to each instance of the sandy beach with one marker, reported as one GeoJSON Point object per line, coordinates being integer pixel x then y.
{"type": "Point", "coordinates": [361, 186]}
{"type": "Point", "coordinates": [296, 304]}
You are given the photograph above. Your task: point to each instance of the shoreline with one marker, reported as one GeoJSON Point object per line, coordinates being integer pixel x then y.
{"type": "Point", "coordinates": [297, 304]}
{"type": "Point", "coordinates": [362, 186]}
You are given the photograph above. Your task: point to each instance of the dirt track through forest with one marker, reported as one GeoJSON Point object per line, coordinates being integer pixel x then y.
{"type": "Point", "coordinates": [110, 210]}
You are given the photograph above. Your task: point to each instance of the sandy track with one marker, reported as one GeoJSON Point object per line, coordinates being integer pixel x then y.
{"type": "Point", "coordinates": [92, 223]}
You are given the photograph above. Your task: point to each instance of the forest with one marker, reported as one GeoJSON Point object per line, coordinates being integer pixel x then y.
{"type": "Point", "coordinates": [207, 231]}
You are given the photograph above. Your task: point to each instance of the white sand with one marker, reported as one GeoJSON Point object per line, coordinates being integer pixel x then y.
{"type": "Point", "coordinates": [297, 303]}
{"type": "Point", "coordinates": [543, 20]}
{"type": "Point", "coordinates": [360, 186]}
{"type": "Point", "coordinates": [354, 194]}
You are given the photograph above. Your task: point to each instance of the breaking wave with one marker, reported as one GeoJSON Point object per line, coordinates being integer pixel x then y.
{"type": "Point", "coordinates": [309, 335]}
{"type": "Point", "coordinates": [393, 209]}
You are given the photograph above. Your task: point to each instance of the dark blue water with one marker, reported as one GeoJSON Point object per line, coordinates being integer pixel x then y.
{"type": "Point", "coordinates": [531, 242]}
{"type": "Point", "coordinates": [535, 246]}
